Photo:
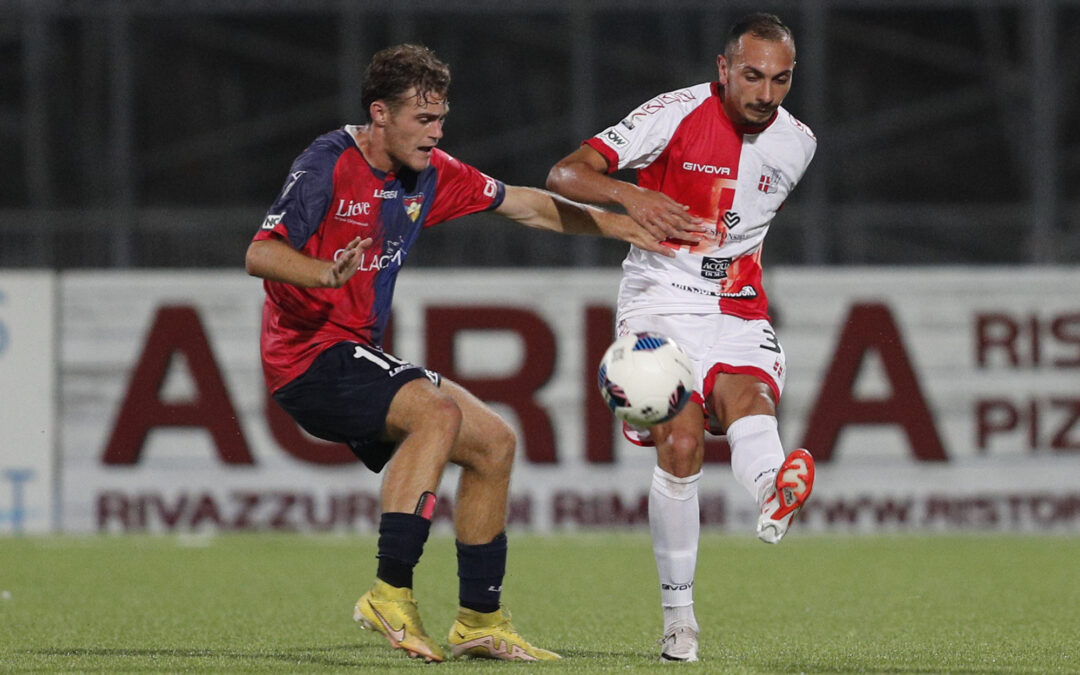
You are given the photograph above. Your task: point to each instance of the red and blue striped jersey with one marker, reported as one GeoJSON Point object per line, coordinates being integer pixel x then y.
{"type": "Point", "coordinates": [331, 196]}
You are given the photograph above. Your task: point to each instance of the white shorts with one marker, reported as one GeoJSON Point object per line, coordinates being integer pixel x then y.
{"type": "Point", "coordinates": [715, 343]}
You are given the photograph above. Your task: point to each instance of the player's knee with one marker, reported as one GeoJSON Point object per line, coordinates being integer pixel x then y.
{"type": "Point", "coordinates": [502, 445]}
{"type": "Point", "coordinates": [494, 456]}
{"type": "Point", "coordinates": [684, 453]}
{"type": "Point", "coordinates": [443, 417]}
{"type": "Point", "coordinates": [743, 395]}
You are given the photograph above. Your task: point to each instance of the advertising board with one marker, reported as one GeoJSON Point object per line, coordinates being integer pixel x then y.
{"type": "Point", "coordinates": [933, 399]}
{"type": "Point", "coordinates": [27, 402]}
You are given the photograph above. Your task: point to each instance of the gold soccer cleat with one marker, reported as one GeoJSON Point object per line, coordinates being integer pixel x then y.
{"type": "Point", "coordinates": [392, 611]}
{"type": "Point", "coordinates": [491, 636]}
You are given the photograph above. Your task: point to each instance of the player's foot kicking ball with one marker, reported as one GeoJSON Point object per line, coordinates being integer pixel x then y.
{"type": "Point", "coordinates": [794, 481]}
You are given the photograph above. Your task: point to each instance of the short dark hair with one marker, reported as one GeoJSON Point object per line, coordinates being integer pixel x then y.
{"type": "Point", "coordinates": [395, 70]}
{"type": "Point", "coordinates": [761, 25]}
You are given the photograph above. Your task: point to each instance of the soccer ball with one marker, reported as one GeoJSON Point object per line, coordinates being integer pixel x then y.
{"type": "Point", "coordinates": [645, 379]}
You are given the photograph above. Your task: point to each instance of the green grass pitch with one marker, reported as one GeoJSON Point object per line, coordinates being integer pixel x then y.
{"type": "Point", "coordinates": [815, 604]}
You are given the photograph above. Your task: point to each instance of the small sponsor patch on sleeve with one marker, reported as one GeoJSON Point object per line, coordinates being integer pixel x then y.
{"type": "Point", "coordinates": [615, 138]}
{"type": "Point", "coordinates": [272, 220]}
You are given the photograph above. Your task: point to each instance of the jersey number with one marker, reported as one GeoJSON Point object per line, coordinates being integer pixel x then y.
{"type": "Point", "coordinates": [770, 337]}
{"type": "Point", "coordinates": [382, 359]}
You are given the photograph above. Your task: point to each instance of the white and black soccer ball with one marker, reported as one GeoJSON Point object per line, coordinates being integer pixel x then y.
{"type": "Point", "coordinates": [645, 378]}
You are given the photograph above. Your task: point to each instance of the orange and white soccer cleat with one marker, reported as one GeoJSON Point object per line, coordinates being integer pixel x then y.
{"type": "Point", "coordinates": [794, 481]}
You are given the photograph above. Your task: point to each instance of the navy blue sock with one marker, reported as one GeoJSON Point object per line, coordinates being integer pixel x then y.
{"type": "Point", "coordinates": [401, 542]}
{"type": "Point", "coordinates": [481, 569]}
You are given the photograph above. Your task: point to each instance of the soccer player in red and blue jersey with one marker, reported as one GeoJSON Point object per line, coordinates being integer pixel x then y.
{"type": "Point", "coordinates": [329, 250]}
{"type": "Point", "coordinates": [727, 154]}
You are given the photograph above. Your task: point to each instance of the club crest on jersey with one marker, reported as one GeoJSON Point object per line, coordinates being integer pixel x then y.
{"type": "Point", "coordinates": [769, 181]}
{"type": "Point", "coordinates": [413, 205]}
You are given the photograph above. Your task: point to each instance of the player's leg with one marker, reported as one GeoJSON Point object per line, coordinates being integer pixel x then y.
{"type": "Point", "coordinates": [745, 407]}
{"type": "Point", "coordinates": [674, 511]}
{"type": "Point", "coordinates": [484, 449]}
{"type": "Point", "coordinates": [780, 484]}
{"type": "Point", "coordinates": [423, 420]}
{"type": "Point", "coordinates": [376, 403]}
{"type": "Point", "coordinates": [743, 387]}
{"type": "Point", "coordinates": [675, 526]}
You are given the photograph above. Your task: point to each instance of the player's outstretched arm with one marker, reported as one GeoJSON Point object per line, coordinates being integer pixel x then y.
{"type": "Point", "coordinates": [275, 260]}
{"type": "Point", "coordinates": [582, 175]}
{"type": "Point", "coordinates": [546, 211]}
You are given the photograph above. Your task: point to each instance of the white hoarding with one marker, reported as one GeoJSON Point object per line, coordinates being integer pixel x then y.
{"type": "Point", "coordinates": [934, 399]}
{"type": "Point", "coordinates": [27, 401]}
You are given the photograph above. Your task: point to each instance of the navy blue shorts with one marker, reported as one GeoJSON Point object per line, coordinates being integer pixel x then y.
{"type": "Point", "coordinates": [345, 395]}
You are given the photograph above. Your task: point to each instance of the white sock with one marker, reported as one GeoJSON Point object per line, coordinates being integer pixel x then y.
{"type": "Point", "coordinates": [756, 453]}
{"type": "Point", "coordinates": [675, 523]}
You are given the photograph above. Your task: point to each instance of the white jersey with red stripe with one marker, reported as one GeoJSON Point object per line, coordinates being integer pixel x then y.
{"type": "Point", "coordinates": [736, 179]}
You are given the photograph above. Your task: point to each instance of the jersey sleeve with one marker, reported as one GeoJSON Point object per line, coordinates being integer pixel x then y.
{"type": "Point", "coordinates": [626, 148]}
{"type": "Point", "coordinates": [461, 189]}
{"type": "Point", "coordinates": [807, 140]}
{"type": "Point", "coordinates": [642, 136]}
{"type": "Point", "coordinates": [303, 201]}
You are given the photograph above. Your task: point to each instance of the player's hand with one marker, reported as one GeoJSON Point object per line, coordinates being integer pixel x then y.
{"type": "Point", "coordinates": [627, 229]}
{"type": "Point", "coordinates": [663, 217]}
{"type": "Point", "coordinates": [342, 269]}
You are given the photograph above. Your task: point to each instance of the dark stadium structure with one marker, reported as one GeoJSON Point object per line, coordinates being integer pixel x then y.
{"type": "Point", "coordinates": [155, 133]}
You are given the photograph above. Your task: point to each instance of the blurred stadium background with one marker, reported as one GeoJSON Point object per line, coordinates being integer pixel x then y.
{"type": "Point", "coordinates": [155, 133]}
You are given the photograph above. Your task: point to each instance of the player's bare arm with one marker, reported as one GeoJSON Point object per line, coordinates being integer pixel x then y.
{"type": "Point", "coordinates": [546, 211]}
{"type": "Point", "coordinates": [275, 260]}
{"type": "Point", "coordinates": [582, 175]}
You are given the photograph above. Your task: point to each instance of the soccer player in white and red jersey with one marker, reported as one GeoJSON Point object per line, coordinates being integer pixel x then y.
{"type": "Point", "coordinates": [329, 250]}
{"type": "Point", "coordinates": [725, 153]}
